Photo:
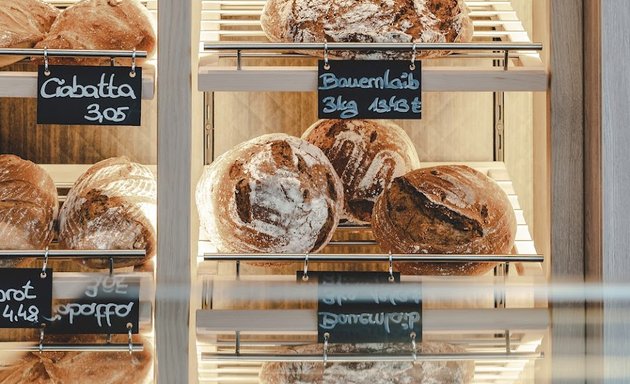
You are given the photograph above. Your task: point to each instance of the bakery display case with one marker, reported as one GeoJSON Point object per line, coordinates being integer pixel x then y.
{"type": "Point", "coordinates": [482, 311]}
{"type": "Point", "coordinates": [77, 202]}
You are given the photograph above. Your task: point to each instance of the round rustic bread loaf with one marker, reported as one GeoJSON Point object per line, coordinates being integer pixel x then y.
{"type": "Point", "coordinates": [450, 209]}
{"type": "Point", "coordinates": [111, 206]}
{"type": "Point", "coordinates": [28, 206]}
{"type": "Point", "coordinates": [420, 372]}
{"type": "Point", "coordinates": [367, 21]}
{"type": "Point", "coordinates": [273, 194]}
{"type": "Point", "coordinates": [367, 155]}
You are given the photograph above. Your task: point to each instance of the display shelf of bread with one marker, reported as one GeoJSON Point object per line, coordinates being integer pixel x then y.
{"type": "Point", "coordinates": [260, 21]}
{"type": "Point", "coordinates": [103, 25]}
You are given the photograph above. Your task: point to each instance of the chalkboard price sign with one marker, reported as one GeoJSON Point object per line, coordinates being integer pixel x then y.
{"type": "Point", "coordinates": [370, 89]}
{"type": "Point", "coordinates": [108, 304]}
{"type": "Point", "coordinates": [365, 307]}
{"type": "Point", "coordinates": [81, 95]}
{"type": "Point", "coordinates": [25, 297]}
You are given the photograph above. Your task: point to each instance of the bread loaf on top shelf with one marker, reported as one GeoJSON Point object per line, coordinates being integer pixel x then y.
{"type": "Point", "coordinates": [102, 25]}
{"type": "Point", "coordinates": [22, 24]}
{"type": "Point", "coordinates": [368, 21]}
{"type": "Point", "coordinates": [273, 194]}
{"type": "Point", "coordinates": [28, 206]}
{"type": "Point", "coordinates": [420, 372]}
{"type": "Point", "coordinates": [450, 209]}
{"type": "Point", "coordinates": [367, 155]}
{"type": "Point", "coordinates": [111, 206]}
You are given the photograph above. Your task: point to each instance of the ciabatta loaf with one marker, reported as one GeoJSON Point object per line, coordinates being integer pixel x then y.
{"type": "Point", "coordinates": [102, 25]}
{"type": "Point", "coordinates": [22, 24]}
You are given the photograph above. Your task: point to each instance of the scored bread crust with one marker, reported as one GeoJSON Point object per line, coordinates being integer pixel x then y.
{"type": "Point", "coordinates": [22, 24]}
{"type": "Point", "coordinates": [81, 367]}
{"type": "Point", "coordinates": [377, 21]}
{"type": "Point", "coordinates": [451, 209]}
{"type": "Point", "coordinates": [420, 372]}
{"type": "Point", "coordinates": [28, 206]}
{"type": "Point", "coordinates": [111, 206]}
{"type": "Point", "coordinates": [102, 25]}
{"type": "Point", "coordinates": [367, 155]}
{"type": "Point", "coordinates": [273, 194]}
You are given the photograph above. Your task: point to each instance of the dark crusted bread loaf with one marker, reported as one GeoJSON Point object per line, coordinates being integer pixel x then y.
{"type": "Point", "coordinates": [28, 206]}
{"type": "Point", "coordinates": [81, 367]}
{"type": "Point", "coordinates": [104, 25]}
{"type": "Point", "coordinates": [367, 155]}
{"type": "Point", "coordinates": [450, 209]}
{"type": "Point", "coordinates": [22, 24]}
{"type": "Point", "coordinates": [111, 206]}
{"type": "Point", "coordinates": [420, 372]}
{"type": "Point", "coordinates": [378, 21]}
{"type": "Point", "coordinates": [272, 194]}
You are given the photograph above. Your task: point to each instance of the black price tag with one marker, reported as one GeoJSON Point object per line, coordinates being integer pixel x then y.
{"type": "Point", "coordinates": [370, 89]}
{"type": "Point", "coordinates": [108, 305]}
{"type": "Point", "coordinates": [79, 95]}
{"type": "Point", "coordinates": [366, 307]}
{"type": "Point", "coordinates": [25, 297]}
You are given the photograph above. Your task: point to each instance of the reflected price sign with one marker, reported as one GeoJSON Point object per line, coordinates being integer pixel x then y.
{"type": "Point", "coordinates": [25, 297]}
{"type": "Point", "coordinates": [370, 89]}
{"type": "Point", "coordinates": [108, 304]}
{"type": "Point", "coordinates": [366, 307]}
{"type": "Point", "coordinates": [82, 95]}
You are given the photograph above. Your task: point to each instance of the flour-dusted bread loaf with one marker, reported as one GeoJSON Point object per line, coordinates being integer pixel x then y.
{"type": "Point", "coordinates": [273, 194]}
{"type": "Point", "coordinates": [367, 21]}
{"type": "Point", "coordinates": [22, 24]}
{"type": "Point", "coordinates": [102, 25]}
{"type": "Point", "coordinates": [28, 206]}
{"type": "Point", "coordinates": [451, 209]}
{"type": "Point", "coordinates": [111, 206]}
{"type": "Point", "coordinates": [421, 372]}
{"type": "Point", "coordinates": [81, 367]}
{"type": "Point", "coordinates": [367, 155]}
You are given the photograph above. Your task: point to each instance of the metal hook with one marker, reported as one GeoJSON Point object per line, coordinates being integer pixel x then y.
{"type": "Point", "coordinates": [413, 346]}
{"type": "Point", "coordinates": [326, 63]}
{"type": "Point", "coordinates": [412, 66]}
{"type": "Point", "coordinates": [391, 277]}
{"type": "Point", "coordinates": [129, 327]}
{"type": "Point", "coordinates": [43, 273]}
{"type": "Point", "coordinates": [41, 338]}
{"type": "Point", "coordinates": [46, 69]}
{"type": "Point", "coordinates": [111, 266]}
{"type": "Point", "coordinates": [133, 64]}
{"type": "Point", "coordinates": [326, 337]}
{"type": "Point", "coordinates": [112, 61]}
{"type": "Point", "coordinates": [305, 274]}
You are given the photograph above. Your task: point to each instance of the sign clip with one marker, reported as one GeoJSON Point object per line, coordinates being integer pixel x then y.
{"type": "Point", "coordinates": [46, 69]}
{"type": "Point", "coordinates": [326, 337]}
{"type": "Point", "coordinates": [130, 327]}
{"type": "Point", "coordinates": [41, 338]}
{"type": "Point", "coordinates": [305, 274]}
{"type": "Point", "coordinates": [414, 53]}
{"type": "Point", "coordinates": [43, 273]}
{"type": "Point", "coordinates": [133, 64]}
{"type": "Point", "coordinates": [391, 277]}
{"type": "Point", "coordinates": [412, 335]}
{"type": "Point", "coordinates": [326, 63]}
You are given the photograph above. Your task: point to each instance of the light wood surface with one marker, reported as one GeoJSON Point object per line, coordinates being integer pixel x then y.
{"type": "Point", "coordinates": [567, 185]}
{"type": "Point", "coordinates": [174, 98]}
{"type": "Point", "coordinates": [615, 141]}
